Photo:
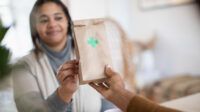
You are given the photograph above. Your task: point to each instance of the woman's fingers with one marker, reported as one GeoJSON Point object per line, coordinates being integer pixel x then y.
{"type": "Point", "coordinates": [109, 71]}
{"type": "Point", "coordinates": [67, 73]}
{"type": "Point", "coordinates": [73, 62]}
{"type": "Point", "coordinates": [69, 66]}
{"type": "Point", "coordinates": [71, 79]}
{"type": "Point", "coordinates": [97, 87]}
{"type": "Point", "coordinates": [65, 76]}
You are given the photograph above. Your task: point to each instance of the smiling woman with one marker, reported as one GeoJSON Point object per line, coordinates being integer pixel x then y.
{"type": "Point", "coordinates": [38, 86]}
{"type": "Point", "coordinates": [51, 24]}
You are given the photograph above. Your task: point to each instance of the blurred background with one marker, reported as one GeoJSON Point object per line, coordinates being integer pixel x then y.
{"type": "Point", "coordinates": [165, 35]}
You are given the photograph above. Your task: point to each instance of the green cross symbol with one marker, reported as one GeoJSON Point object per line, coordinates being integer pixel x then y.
{"type": "Point", "coordinates": [93, 42]}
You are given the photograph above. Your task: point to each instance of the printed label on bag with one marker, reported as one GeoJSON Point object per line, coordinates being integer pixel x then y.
{"type": "Point", "coordinates": [93, 42]}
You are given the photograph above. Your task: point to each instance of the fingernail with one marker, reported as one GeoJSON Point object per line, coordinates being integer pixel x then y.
{"type": "Point", "coordinates": [109, 68]}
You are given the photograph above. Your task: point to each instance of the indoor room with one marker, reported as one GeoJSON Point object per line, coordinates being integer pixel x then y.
{"type": "Point", "coordinates": [151, 46]}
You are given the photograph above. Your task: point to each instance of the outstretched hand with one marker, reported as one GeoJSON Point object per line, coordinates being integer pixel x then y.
{"type": "Point", "coordinates": [114, 89]}
{"type": "Point", "coordinates": [110, 87]}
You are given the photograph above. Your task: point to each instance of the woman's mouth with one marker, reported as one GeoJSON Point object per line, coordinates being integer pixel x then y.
{"type": "Point", "coordinates": [53, 32]}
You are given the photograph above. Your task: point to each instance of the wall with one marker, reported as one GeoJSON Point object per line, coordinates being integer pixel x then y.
{"type": "Point", "coordinates": [178, 36]}
{"type": "Point", "coordinates": [18, 38]}
{"type": "Point", "coordinates": [85, 9]}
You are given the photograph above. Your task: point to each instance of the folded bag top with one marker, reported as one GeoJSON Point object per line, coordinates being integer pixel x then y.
{"type": "Point", "coordinates": [92, 50]}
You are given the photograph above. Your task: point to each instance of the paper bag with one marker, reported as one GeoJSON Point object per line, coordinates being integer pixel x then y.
{"type": "Point", "coordinates": [92, 50]}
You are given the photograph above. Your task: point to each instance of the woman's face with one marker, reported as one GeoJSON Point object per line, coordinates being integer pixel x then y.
{"type": "Point", "coordinates": [51, 24]}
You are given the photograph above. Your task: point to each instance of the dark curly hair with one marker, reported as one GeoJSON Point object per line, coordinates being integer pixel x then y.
{"type": "Point", "coordinates": [34, 33]}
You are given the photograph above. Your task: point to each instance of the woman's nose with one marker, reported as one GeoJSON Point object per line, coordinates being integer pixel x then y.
{"type": "Point", "coordinates": [51, 23]}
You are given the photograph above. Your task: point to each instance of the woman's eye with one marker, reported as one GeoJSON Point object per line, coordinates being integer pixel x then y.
{"type": "Point", "coordinates": [43, 21]}
{"type": "Point", "coordinates": [58, 18]}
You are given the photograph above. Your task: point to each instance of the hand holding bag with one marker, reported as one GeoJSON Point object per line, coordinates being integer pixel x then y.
{"type": "Point", "coordinates": [92, 50]}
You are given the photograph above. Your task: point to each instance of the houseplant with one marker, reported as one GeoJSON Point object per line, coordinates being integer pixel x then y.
{"type": "Point", "coordinates": [4, 54]}
{"type": "Point", "coordinates": [7, 103]}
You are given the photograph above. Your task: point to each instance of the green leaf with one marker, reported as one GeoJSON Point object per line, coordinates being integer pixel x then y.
{"type": "Point", "coordinates": [2, 32]}
{"type": "Point", "coordinates": [5, 68]}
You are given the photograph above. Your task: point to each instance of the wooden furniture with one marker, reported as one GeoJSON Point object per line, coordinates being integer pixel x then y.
{"type": "Point", "coordinates": [121, 49]}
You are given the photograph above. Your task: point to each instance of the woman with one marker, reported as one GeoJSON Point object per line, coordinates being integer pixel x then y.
{"type": "Point", "coordinates": [39, 87]}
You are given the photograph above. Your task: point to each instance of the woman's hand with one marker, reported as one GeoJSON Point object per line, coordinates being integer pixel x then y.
{"type": "Point", "coordinates": [67, 76]}
{"type": "Point", "coordinates": [114, 89]}
{"type": "Point", "coordinates": [110, 87]}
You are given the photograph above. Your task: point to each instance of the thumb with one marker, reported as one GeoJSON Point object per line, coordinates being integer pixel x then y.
{"type": "Point", "coordinates": [108, 71]}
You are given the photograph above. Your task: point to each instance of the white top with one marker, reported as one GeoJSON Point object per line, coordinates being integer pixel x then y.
{"type": "Point", "coordinates": [39, 77]}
